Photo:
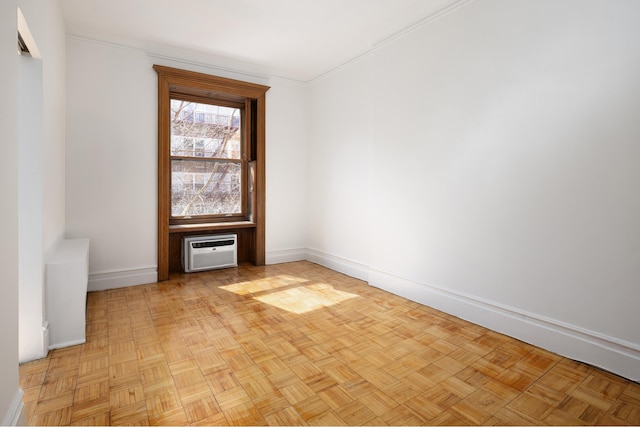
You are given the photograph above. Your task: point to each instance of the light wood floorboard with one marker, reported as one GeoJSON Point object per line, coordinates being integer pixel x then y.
{"type": "Point", "coordinates": [298, 344]}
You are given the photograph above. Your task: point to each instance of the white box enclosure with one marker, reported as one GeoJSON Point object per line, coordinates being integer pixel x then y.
{"type": "Point", "coordinates": [201, 253]}
{"type": "Point", "coordinates": [66, 280]}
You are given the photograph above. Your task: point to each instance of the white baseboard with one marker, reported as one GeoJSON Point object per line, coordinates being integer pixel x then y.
{"type": "Point", "coordinates": [66, 344]}
{"type": "Point", "coordinates": [339, 264]}
{"type": "Point", "coordinates": [42, 352]}
{"type": "Point", "coordinates": [612, 354]}
{"type": "Point", "coordinates": [102, 281]}
{"type": "Point", "coordinates": [15, 416]}
{"type": "Point", "coordinates": [46, 337]}
{"type": "Point", "coordinates": [288, 255]}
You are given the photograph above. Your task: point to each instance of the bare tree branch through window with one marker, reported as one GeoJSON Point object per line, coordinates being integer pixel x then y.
{"type": "Point", "coordinates": [206, 159]}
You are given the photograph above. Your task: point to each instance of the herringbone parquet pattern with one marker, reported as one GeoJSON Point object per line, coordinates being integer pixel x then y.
{"type": "Point", "coordinates": [298, 344]}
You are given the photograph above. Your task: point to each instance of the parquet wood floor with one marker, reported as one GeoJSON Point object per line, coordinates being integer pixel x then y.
{"type": "Point", "coordinates": [298, 344]}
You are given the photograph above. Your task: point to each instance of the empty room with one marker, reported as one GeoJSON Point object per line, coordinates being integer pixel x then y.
{"type": "Point", "coordinates": [305, 212]}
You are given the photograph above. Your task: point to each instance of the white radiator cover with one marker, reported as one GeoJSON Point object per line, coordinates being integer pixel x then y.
{"type": "Point", "coordinates": [66, 278]}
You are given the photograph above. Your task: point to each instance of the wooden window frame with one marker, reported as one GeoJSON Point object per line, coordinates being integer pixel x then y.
{"type": "Point", "coordinates": [173, 82]}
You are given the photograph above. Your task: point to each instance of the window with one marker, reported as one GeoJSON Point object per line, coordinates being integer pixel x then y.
{"type": "Point", "coordinates": [211, 162]}
{"type": "Point", "coordinates": [208, 161]}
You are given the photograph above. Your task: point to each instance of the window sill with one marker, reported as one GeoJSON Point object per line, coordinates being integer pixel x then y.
{"type": "Point", "coordinates": [210, 226]}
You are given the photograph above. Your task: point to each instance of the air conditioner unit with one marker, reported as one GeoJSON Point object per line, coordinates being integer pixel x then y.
{"type": "Point", "coordinates": [209, 252]}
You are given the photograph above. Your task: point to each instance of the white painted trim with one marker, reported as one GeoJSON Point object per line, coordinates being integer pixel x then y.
{"type": "Point", "coordinates": [25, 33]}
{"type": "Point", "coordinates": [420, 24]}
{"type": "Point", "coordinates": [102, 281]}
{"type": "Point", "coordinates": [66, 344]}
{"type": "Point", "coordinates": [45, 346]}
{"type": "Point", "coordinates": [287, 255]}
{"type": "Point", "coordinates": [168, 53]}
{"type": "Point", "coordinates": [339, 264]}
{"type": "Point", "coordinates": [609, 353]}
{"type": "Point", "coordinates": [405, 31]}
{"type": "Point", "coordinates": [15, 414]}
{"type": "Point", "coordinates": [46, 336]}
{"type": "Point", "coordinates": [215, 63]}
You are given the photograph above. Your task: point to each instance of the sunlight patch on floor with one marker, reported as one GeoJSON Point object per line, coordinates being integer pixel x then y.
{"type": "Point", "coordinates": [262, 285]}
{"type": "Point", "coordinates": [303, 299]}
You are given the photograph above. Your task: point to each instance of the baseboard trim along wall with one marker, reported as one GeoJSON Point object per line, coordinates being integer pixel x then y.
{"type": "Point", "coordinates": [16, 415]}
{"type": "Point", "coordinates": [287, 255]}
{"type": "Point", "coordinates": [122, 278]}
{"type": "Point", "coordinates": [342, 265]}
{"type": "Point", "coordinates": [609, 353]}
{"type": "Point", "coordinates": [66, 344]}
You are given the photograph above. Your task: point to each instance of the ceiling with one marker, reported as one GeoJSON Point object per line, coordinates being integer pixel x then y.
{"type": "Point", "coordinates": [295, 39]}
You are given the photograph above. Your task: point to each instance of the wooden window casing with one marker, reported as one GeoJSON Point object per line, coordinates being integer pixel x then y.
{"type": "Point", "coordinates": [204, 88]}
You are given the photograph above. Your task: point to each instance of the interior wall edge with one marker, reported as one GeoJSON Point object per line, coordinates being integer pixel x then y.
{"type": "Point", "coordinates": [15, 416]}
{"type": "Point", "coordinates": [606, 352]}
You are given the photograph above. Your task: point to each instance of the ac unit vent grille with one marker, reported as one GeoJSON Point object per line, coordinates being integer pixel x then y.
{"type": "Point", "coordinates": [209, 252]}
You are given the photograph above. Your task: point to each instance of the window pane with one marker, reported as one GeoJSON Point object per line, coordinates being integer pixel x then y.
{"type": "Point", "coordinates": [205, 188]}
{"type": "Point", "coordinates": [204, 130]}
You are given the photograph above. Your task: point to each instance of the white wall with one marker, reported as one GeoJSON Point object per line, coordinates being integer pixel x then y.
{"type": "Point", "coordinates": [41, 177]}
{"type": "Point", "coordinates": [483, 164]}
{"type": "Point", "coordinates": [111, 160]}
{"type": "Point", "coordinates": [504, 184]}
{"type": "Point", "coordinates": [287, 165]}
{"type": "Point", "coordinates": [341, 108]}
{"type": "Point", "coordinates": [30, 194]}
{"type": "Point", "coordinates": [47, 26]}
{"type": "Point", "coordinates": [49, 29]}
{"type": "Point", "coordinates": [9, 390]}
